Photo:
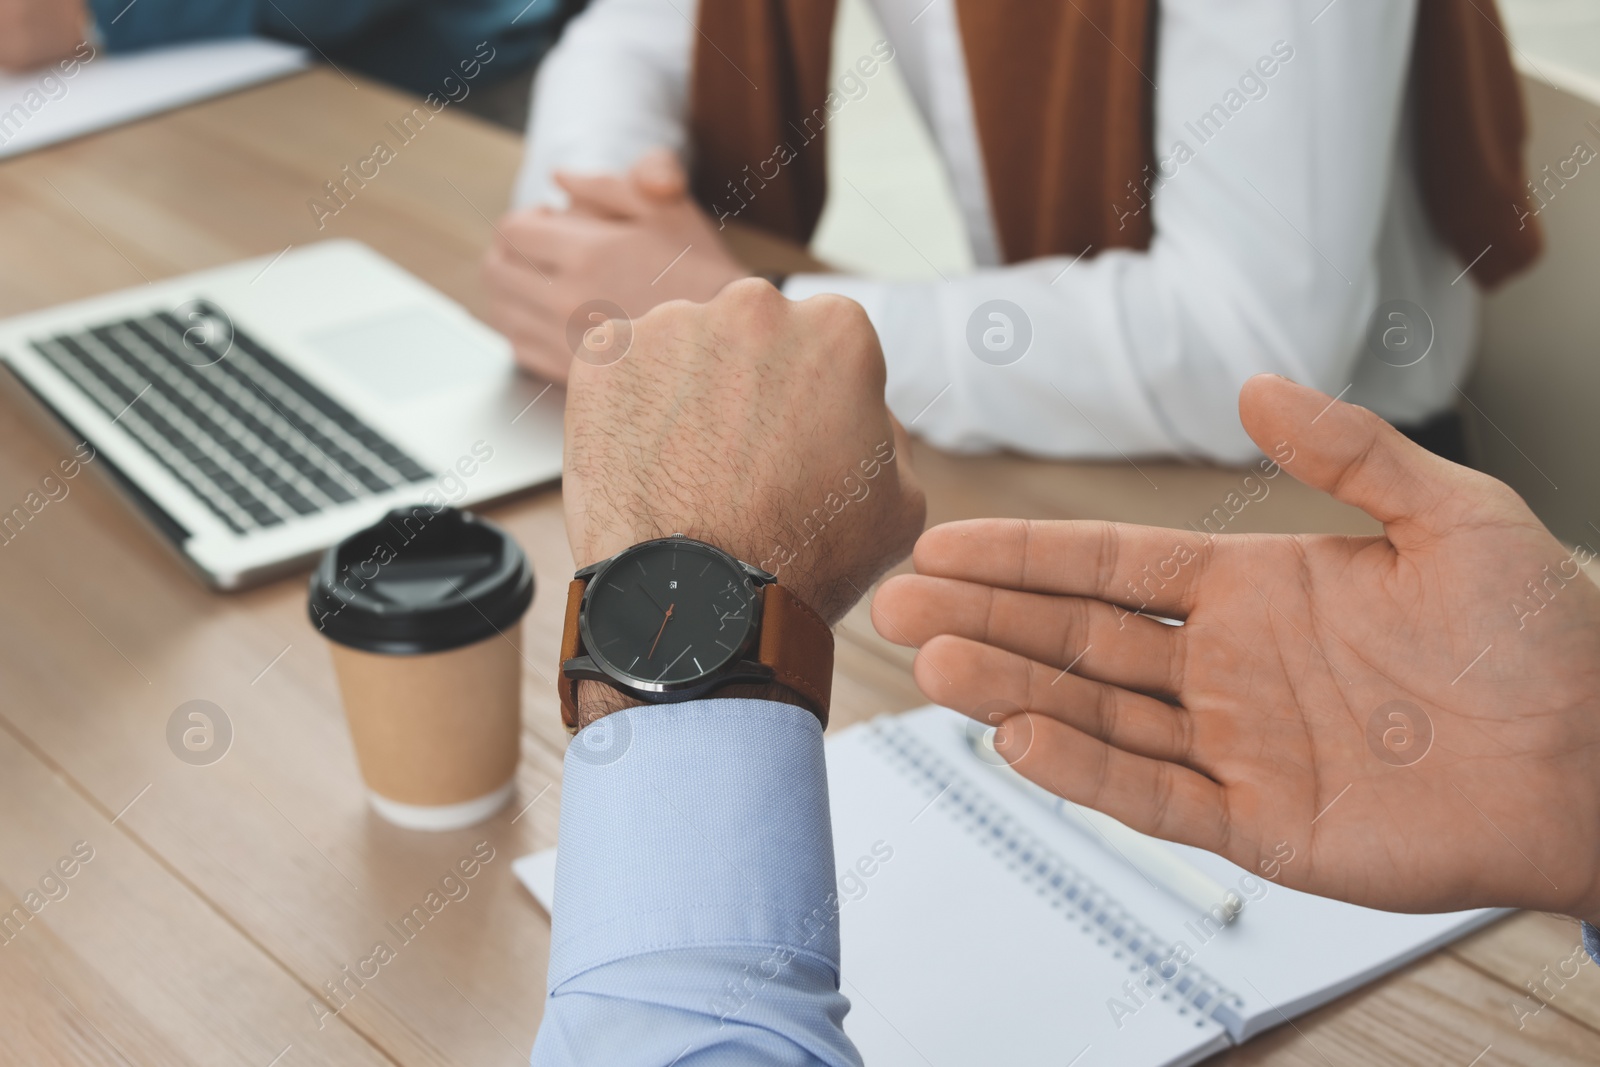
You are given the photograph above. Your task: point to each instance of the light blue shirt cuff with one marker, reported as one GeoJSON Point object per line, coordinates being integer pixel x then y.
{"type": "Point", "coordinates": [701, 825]}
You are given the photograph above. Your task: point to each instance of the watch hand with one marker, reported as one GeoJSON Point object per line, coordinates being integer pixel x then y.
{"type": "Point", "coordinates": [661, 631]}
{"type": "Point", "coordinates": [653, 600]}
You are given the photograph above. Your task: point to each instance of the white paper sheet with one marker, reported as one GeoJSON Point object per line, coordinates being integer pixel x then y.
{"type": "Point", "coordinates": [51, 105]}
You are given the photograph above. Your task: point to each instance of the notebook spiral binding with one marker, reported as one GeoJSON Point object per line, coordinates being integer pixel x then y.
{"type": "Point", "coordinates": [1080, 898]}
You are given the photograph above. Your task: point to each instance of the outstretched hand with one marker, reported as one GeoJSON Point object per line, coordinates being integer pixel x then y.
{"type": "Point", "coordinates": [1414, 718]}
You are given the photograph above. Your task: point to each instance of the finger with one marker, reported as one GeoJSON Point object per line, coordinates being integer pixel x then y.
{"type": "Point", "coordinates": [508, 265]}
{"type": "Point", "coordinates": [507, 273]}
{"type": "Point", "coordinates": [1149, 795]}
{"type": "Point", "coordinates": [550, 242]}
{"type": "Point", "coordinates": [1358, 458]}
{"type": "Point", "coordinates": [539, 357]}
{"type": "Point", "coordinates": [520, 229]}
{"type": "Point", "coordinates": [527, 314]}
{"type": "Point", "coordinates": [659, 176]}
{"type": "Point", "coordinates": [519, 291]}
{"type": "Point", "coordinates": [1142, 568]}
{"type": "Point", "coordinates": [522, 320]}
{"type": "Point", "coordinates": [965, 675]}
{"type": "Point", "coordinates": [1090, 638]}
{"type": "Point", "coordinates": [607, 196]}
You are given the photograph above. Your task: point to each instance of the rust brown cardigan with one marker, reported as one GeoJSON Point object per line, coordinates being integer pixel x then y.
{"type": "Point", "coordinates": [1064, 111]}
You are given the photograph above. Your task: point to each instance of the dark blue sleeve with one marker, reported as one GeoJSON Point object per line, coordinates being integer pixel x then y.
{"type": "Point", "coordinates": [427, 46]}
{"type": "Point", "coordinates": [128, 26]}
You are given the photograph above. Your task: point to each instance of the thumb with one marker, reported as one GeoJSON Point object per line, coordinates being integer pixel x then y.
{"type": "Point", "coordinates": [659, 175]}
{"type": "Point", "coordinates": [1356, 457]}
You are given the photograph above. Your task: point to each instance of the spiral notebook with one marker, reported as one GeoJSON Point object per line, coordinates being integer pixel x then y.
{"type": "Point", "coordinates": [980, 927]}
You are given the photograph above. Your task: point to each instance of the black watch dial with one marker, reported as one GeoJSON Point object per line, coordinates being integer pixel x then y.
{"type": "Point", "coordinates": [669, 613]}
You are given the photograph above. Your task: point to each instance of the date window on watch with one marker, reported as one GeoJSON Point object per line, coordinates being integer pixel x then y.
{"type": "Point", "coordinates": [673, 584]}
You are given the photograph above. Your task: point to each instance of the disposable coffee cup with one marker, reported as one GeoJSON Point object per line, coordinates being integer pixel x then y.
{"type": "Point", "coordinates": [423, 613]}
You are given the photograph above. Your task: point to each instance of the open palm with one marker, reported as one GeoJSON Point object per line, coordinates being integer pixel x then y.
{"type": "Point", "coordinates": [1410, 721]}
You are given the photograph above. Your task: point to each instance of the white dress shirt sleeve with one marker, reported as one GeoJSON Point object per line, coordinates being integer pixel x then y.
{"type": "Point", "coordinates": [616, 86]}
{"type": "Point", "coordinates": [1267, 230]}
{"type": "Point", "coordinates": [1266, 237]}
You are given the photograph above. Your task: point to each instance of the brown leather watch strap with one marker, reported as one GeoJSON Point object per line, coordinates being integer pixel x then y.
{"type": "Point", "coordinates": [798, 646]}
{"type": "Point", "coordinates": [570, 642]}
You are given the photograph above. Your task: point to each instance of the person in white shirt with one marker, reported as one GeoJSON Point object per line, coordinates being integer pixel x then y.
{"type": "Point", "coordinates": [1284, 224]}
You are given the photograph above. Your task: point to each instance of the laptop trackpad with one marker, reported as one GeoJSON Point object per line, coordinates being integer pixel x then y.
{"type": "Point", "coordinates": [410, 354]}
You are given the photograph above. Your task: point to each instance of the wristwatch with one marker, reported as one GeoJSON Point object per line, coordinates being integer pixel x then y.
{"type": "Point", "coordinates": [675, 619]}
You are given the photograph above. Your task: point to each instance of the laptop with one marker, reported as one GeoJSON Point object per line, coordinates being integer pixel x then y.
{"type": "Point", "coordinates": [258, 413]}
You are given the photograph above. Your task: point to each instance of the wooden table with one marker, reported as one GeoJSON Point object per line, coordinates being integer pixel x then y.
{"type": "Point", "coordinates": [220, 900]}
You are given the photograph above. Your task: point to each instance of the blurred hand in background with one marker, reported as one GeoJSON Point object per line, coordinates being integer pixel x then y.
{"type": "Point", "coordinates": [635, 241]}
{"type": "Point", "coordinates": [36, 32]}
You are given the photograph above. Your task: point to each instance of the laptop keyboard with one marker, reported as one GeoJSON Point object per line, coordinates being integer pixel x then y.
{"type": "Point", "coordinates": [252, 439]}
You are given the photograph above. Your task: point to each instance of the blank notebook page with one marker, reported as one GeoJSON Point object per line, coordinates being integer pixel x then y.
{"type": "Point", "coordinates": [1288, 952]}
{"type": "Point", "coordinates": [952, 955]}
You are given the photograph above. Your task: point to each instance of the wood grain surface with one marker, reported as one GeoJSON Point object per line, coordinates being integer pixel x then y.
{"type": "Point", "coordinates": [227, 906]}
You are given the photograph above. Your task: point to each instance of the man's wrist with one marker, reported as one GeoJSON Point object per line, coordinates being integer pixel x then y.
{"type": "Point", "coordinates": [596, 700]}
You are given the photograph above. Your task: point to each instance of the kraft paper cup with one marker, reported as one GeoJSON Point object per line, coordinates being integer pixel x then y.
{"type": "Point", "coordinates": [423, 614]}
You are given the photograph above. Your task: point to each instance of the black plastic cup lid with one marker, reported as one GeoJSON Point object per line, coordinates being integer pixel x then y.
{"type": "Point", "coordinates": [421, 580]}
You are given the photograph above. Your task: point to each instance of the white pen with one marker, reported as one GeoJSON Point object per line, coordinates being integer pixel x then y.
{"type": "Point", "coordinates": [1158, 865]}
